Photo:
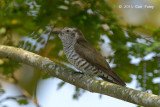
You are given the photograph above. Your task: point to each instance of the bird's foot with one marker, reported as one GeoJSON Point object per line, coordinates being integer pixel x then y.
{"type": "Point", "coordinates": [78, 73]}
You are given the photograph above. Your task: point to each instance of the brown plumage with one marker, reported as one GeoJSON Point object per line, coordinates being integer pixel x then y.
{"type": "Point", "coordinates": [84, 50]}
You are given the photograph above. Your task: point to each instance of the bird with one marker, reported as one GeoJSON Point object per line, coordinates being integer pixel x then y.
{"type": "Point", "coordinates": [84, 57]}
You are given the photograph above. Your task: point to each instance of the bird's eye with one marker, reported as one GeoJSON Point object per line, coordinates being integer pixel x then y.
{"type": "Point", "coordinates": [67, 31]}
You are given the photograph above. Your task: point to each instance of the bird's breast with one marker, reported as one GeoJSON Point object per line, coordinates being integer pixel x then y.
{"type": "Point", "coordinates": [80, 63]}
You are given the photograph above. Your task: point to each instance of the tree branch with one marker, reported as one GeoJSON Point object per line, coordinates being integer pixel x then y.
{"type": "Point", "coordinates": [78, 79]}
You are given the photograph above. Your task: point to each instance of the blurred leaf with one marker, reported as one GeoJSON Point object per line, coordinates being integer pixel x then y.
{"type": "Point", "coordinates": [22, 101]}
{"type": "Point", "coordinates": [78, 93]}
{"type": "Point", "coordinates": [8, 67]}
{"type": "Point", "coordinates": [2, 91]}
{"type": "Point", "coordinates": [60, 85]}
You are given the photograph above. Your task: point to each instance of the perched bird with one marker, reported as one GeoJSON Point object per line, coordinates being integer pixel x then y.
{"type": "Point", "coordinates": [82, 55]}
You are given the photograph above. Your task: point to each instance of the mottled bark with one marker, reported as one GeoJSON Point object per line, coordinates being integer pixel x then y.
{"type": "Point", "coordinates": [78, 79]}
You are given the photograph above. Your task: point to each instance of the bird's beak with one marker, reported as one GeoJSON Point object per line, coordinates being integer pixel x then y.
{"type": "Point", "coordinates": [56, 32]}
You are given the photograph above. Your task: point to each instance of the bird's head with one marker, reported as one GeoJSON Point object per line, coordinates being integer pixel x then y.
{"type": "Point", "coordinates": [69, 34]}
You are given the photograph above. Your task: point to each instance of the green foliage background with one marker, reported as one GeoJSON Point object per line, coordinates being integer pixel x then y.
{"type": "Point", "coordinates": [21, 20]}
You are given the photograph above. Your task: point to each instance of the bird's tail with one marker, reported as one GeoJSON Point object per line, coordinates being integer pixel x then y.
{"type": "Point", "coordinates": [116, 80]}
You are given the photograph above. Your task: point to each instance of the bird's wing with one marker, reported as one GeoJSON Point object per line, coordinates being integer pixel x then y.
{"type": "Point", "coordinates": [88, 52]}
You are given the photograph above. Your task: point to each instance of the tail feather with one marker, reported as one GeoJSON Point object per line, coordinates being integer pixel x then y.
{"type": "Point", "coordinates": [122, 83]}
